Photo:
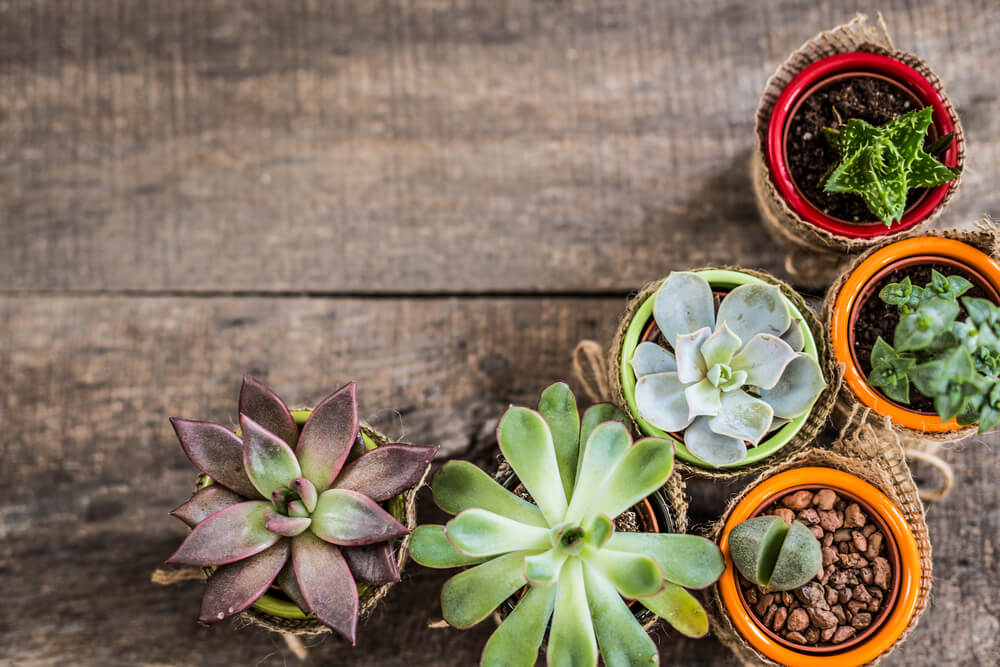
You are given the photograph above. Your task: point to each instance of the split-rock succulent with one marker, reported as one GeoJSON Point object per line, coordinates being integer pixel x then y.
{"type": "Point", "coordinates": [732, 376]}
{"type": "Point", "coordinates": [774, 554]}
{"type": "Point", "coordinates": [297, 508]}
{"type": "Point", "coordinates": [563, 547]}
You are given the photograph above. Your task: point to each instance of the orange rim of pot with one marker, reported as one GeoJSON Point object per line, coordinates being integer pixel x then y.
{"type": "Point", "coordinates": [840, 324]}
{"type": "Point", "coordinates": [908, 575]}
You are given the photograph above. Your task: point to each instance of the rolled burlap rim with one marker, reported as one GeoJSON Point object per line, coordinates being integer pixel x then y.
{"type": "Point", "coordinates": [818, 415]}
{"type": "Point", "coordinates": [309, 627]}
{"type": "Point", "coordinates": [876, 460]}
{"type": "Point", "coordinates": [850, 413]}
{"type": "Point", "coordinates": [815, 254]}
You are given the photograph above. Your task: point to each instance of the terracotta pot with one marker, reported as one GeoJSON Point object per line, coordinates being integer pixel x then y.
{"type": "Point", "coordinates": [820, 74]}
{"type": "Point", "coordinates": [905, 563]}
{"type": "Point", "coordinates": [860, 286]}
{"type": "Point", "coordinates": [891, 553]}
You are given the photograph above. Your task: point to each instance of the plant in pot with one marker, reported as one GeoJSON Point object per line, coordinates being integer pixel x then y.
{"type": "Point", "coordinates": [723, 363]}
{"type": "Point", "coordinates": [559, 553]}
{"type": "Point", "coordinates": [822, 568]}
{"type": "Point", "coordinates": [294, 507]}
{"type": "Point", "coordinates": [915, 323]}
{"type": "Point", "coordinates": [856, 141]}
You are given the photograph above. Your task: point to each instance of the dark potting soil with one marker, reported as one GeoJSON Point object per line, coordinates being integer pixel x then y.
{"type": "Point", "coordinates": [878, 318]}
{"type": "Point", "coordinates": [810, 155]}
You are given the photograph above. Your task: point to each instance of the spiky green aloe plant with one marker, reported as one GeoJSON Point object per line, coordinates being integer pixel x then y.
{"type": "Point", "coordinates": [563, 549]}
{"type": "Point", "coordinates": [733, 375]}
{"type": "Point", "coordinates": [299, 508]}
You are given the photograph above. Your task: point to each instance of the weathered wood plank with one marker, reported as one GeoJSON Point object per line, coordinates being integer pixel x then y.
{"type": "Point", "coordinates": [412, 147]}
{"type": "Point", "coordinates": [94, 465]}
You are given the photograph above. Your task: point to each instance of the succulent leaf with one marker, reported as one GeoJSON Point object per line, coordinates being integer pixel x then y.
{"type": "Point", "coordinates": [289, 584]}
{"type": "Point", "coordinates": [623, 642]}
{"type": "Point", "coordinates": [600, 531]}
{"type": "Point", "coordinates": [206, 502]}
{"type": "Point", "coordinates": [269, 461]}
{"type": "Point", "coordinates": [634, 575]}
{"type": "Point", "coordinates": [526, 441]}
{"type": "Point", "coordinates": [684, 303]}
{"type": "Point", "coordinates": [764, 358]}
{"type": "Point", "coordinates": [234, 587]}
{"type": "Point", "coordinates": [800, 385]}
{"type": "Point", "coordinates": [680, 609]}
{"type": "Point", "coordinates": [557, 405]}
{"type": "Point", "coordinates": [517, 640]}
{"type": "Point", "coordinates": [328, 436]}
{"type": "Point", "coordinates": [326, 584]}
{"type": "Point", "coordinates": [348, 518]}
{"type": "Point", "coordinates": [769, 552]}
{"type": "Point", "coordinates": [687, 560]}
{"type": "Point", "coordinates": [307, 492]}
{"type": "Point", "coordinates": [650, 358]}
{"type": "Point", "coordinates": [229, 535]}
{"type": "Point", "coordinates": [593, 417]}
{"type": "Point", "coordinates": [687, 351]}
{"type": "Point", "coordinates": [543, 569]}
{"type": "Point", "coordinates": [472, 595]}
{"type": "Point", "coordinates": [217, 452]}
{"type": "Point", "coordinates": [794, 336]}
{"type": "Point", "coordinates": [755, 308]}
{"type": "Point", "coordinates": [918, 329]}
{"type": "Point", "coordinates": [386, 471]}
{"type": "Point", "coordinates": [703, 398]}
{"type": "Point", "coordinates": [373, 563]}
{"type": "Point", "coordinates": [261, 404]}
{"type": "Point", "coordinates": [430, 547]}
{"type": "Point", "coordinates": [720, 347]}
{"type": "Point", "coordinates": [711, 447]}
{"type": "Point", "coordinates": [571, 639]}
{"type": "Point", "coordinates": [478, 532]}
{"type": "Point", "coordinates": [459, 485]}
{"type": "Point", "coordinates": [286, 526]}
{"type": "Point", "coordinates": [661, 401]}
{"type": "Point", "coordinates": [645, 468]}
{"type": "Point", "coordinates": [742, 416]}
{"type": "Point", "coordinates": [607, 446]}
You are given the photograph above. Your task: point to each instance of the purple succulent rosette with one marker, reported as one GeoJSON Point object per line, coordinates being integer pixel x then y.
{"type": "Point", "coordinates": [299, 508]}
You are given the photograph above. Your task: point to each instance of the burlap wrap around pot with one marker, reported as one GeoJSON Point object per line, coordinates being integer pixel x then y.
{"type": "Point", "coordinates": [849, 413]}
{"type": "Point", "coordinates": [817, 416]}
{"type": "Point", "coordinates": [879, 462]}
{"type": "Point", "coordinates": [299, 627]}
{"type": "Point", "coordinates": [814, 253]}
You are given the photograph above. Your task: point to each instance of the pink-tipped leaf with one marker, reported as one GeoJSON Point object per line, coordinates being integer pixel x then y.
{"type": "Point", "coordinates": [372, 563]}
{"type": "Point", "coordinates": [326, 584]}
{"type": "Point", "coordinates": [229, 535]}
{"type": "Point", "coordinates": [306, 492]}
{"type": "Point", "coordinates": [234, 587]}
{"type": "Point", "coordinates": [217, 452]}
{"type": "Point", "coordinates": [327, 436]}
{"type": "Point", "coordinates": [261, 404]}
{"type": "Point", "coordinates": [270, 463]}
{"type": "Point", "coordinates": [286, 526]}
{"type": "Point", "coordinates": [349, 518]}
{"type": "Point", "coordinates": [386, 471]}
{"type": "Point", "coordinates": [206, 502]}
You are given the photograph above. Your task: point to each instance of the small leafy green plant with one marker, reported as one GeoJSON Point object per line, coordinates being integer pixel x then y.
{"type": "Point", "coordinates": [300, 509]}
{"type": "Point", "coordinates": [774, 554]}
{"type": "Point", "coordinates": [882, 164]}
{"type": "Point", "coordinates": [952, 360]}
{"type": "Point", "coordinates": [733, 376]}
{"type": "Point", "coordinates": [563, 548]}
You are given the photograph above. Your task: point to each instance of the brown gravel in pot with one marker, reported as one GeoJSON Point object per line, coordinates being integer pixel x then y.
{"type": "Point", "coordinates": [846, 596]}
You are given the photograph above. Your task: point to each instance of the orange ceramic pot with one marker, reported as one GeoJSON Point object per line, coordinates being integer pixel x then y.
{"type": "Point", "coordinates": [849, 298]}
{"type": "Point", "coordinates": [907, 574]}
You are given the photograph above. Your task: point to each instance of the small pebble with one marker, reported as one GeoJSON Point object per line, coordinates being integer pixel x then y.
{"type": "Point", "coordinates": [798, 500]}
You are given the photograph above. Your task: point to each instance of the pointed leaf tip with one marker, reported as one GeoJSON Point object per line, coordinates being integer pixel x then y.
{"type": "Point", "coordinates": [326, 583]}
{"type": "Point", "coordinates": [206, 502]}
{"type": "Point", "coordinates": [269, 461]}
{"type": "Point", "coordinates": [328, 435]}
{"type": "Point", "coordinates": [231, 534]}
{"type": "Point", "coordinates": [260, 403]}
{"type": "Point", "coordinates": [386, 471]}
{"type": "Point", "coordinates": [217, 452]}
{"type": "Point", "coordinates": [232, 588]}
{"type": "Point", "coordinates": [348, 518]}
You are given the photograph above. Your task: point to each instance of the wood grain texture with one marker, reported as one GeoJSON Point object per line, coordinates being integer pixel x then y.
{"type": "Point", "coordinates": [458, 146]}
{"type": "Point", "coordinates": [436, 198]}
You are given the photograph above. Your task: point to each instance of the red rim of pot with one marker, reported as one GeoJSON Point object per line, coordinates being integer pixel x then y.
{"type": "Point", "coordinates": [804, 83]}
{"type": "Point", "coordinates": [917, 260]}
{"type": "Point", "coordinates": [890, 551]}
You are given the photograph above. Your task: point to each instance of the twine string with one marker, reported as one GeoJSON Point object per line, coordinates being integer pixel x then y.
{"type": "Point", "coordinates": [591, 371]}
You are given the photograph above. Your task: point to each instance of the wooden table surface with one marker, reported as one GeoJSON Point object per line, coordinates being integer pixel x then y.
{"type": "Point", "coordinates": [435, 198]}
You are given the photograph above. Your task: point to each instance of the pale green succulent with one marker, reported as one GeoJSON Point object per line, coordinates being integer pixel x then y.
{"type": "Point", "coordinates": [733, 376]}
{"type": "Point", "coordinates": [563, 548]}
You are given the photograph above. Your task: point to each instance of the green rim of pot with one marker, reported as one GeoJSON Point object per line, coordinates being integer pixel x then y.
{"type": "Point", "coordinates": [720, 279]}
{"type": "Point", "coordinates": [269, 604]}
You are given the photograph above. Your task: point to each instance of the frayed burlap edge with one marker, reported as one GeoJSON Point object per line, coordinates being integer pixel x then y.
{"type": "Point", "coordinates": [817, 417]}
{"type": "Point", "coordinates": [849, 413]}
{"type": "Point", "coordinates": [813, 257]}
{"type": "Point", "coordinates": [310, 627]}
{"type": "Point", "coordinates": [873, 459]}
